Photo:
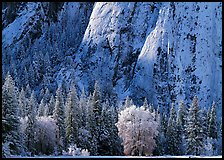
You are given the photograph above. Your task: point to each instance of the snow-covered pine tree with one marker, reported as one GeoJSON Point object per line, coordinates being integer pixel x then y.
{"type": "Point", "coordinates": [51, 105]}
{"type": "Point", "coordinates": [181, 121]}
{"type": "Point", "coordinates": [172, 144]}
{"type": "Point", "coordinates": [97, 110]}
{"type": "Point", "coordinates": [41, 108]}
{"type": "Point", "coordinates": [46, 96]}
{"type": "Point", "coordinates": [86, 138]}
{"type": "Point", "coordinates": [160, 138]}
{"type": "Point", "coordinates": [59, 116]}
{"type": "Point", "coordinates": [28, 91]}
{"type": "Point", "coordinates": [212, 127]}
{"type": "Point", "coordinates": [151, 108]}
{"type": "Point", "coordinates": [46, 110]}
{"type": "Point", "coordinates": [71, 117]}
{"type": "Point", "coordinates": [10, 118]}
{"type": "Point", "coordinates": [204, 122]}
{"type": "Point", "coordinates": [128, 102]}
{"type": "Point", "coordinates": [83, 107]}
{"type": "Point", "coordinates": [145, 104]}
{"type": "Point", "coordinates": [31, 124]}
{"type": "Point", "coordinates": [194, 129]}
{"type": "Point", "coordinates": [213, 122]}
{"type": "Point", "coordinates": [23, 103]}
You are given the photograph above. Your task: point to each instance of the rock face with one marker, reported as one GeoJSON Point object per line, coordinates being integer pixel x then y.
{"type": "Point", "coordinates": [165, 51]}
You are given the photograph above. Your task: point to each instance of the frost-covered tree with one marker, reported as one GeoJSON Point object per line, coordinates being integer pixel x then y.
{"type": "Point", "coordinates": [128, 102]}
{"type": "Point", "coordinates": [10, 119]}
{"type": "Point", "coordinates": [138, 129]}
{"type": "Point", "coordinates": [181, 121]}
{"type": "Point", "coordinates": [41, 108]}
{"type": "Point", "coordinates": [46, 110]}
{"type": "Point", "coordinates": [194, 129]}
{"type": "Point", "coordinates": [71, 117]}
{"type": "Point", "coordinates": [83, 108]}
{"type": "Point", "coordinates": [28, 91]}
{"type": "Point", "coordinates": [172, 144]}
{"type": "Point", "coordinates": [212, 127]}
{"type": "Point", "coordinates": [96, 103]}
{"type": "Point", "coordinates": [45, 135]}
{"type": "Point", "coordinates": [31, 124]}
{"type": "Point", "coordinates": [145, 104]}
{"type": "Point", "coordinates": [213, 122]}
{"type": "Point", "coordinates": [23, 103]}
{"type": "Point", "coordinates": [59, 117]}
{"type": "Point", "coordinates": [160, 138]}
{"type": "Point", "coordinates": [51, 105]}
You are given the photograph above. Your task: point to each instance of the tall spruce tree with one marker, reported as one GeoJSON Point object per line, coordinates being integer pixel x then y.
{"type": "Point", "coordinates": [23, 103]}
{"type": "Point", "coordinates": [41, 108]}
{"type": "Point", "coordinates": [172, 145]}
{"type": "Point", "coordinates": [71, 118]}
{"type": "Point", "coordinates": [51, 105]}
{"type": "Point", "coordinates": [59, 116]}
{"type": "Point", "coordinates": [31, 124]}
{"type": "Point", "coordinates": [10, 119]}
{"type": "Point", "coordinates": [181, 121]}
{"type": "Point", "coordinates": [194, 129]}
{"type": "Point", "coordinates": [212, 128]}
{"type": "Point", "coordinates": [213, 122]}
{"type": "Point", "coordinates": [97, 111]}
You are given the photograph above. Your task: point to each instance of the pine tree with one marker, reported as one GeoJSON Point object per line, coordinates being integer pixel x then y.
{"type": "Point", "coordinates": [41, 108]}
{"type": "Point", "coordinates": [46, 110]}
{"type": "Point", "coordinates": [31, 124]}
{"type": "Point", "coordinates": [128, 102]}
{"type": "Point", "coordinates": [181, 121]}
{"type": "Point", "coordinates": [213, 122]}
{"type": "Point", "coordinates": [10, 119]}
{"type": "Point", "coordinates": [194, 130]}
{"type": "Point", "coordinates": [97, 110]}
{"type": "Point", "coordinates": [51, 105]}
{"type": "Point", "coordinates": [145, 104]}
{"type": "Point", "coordinates": [151, 108]}
{"type": "Point", "coordinates": [83, 108]}
{"type": "Point", "coordinates": [212, 127]}
{"type": "Point", "coordinates": [72, 119]}
{"type": "Point", "coordinates": [160, 139]}
{"type": "Point", "coordinates": [47, 96]}
{"type": "Point", "coordinates": [28, 91]}
{"type": "Point", "coordinates": [59, 116]}
{"type": "Point", "coordinates": [23, 103]}
{"type": "Point", "coordinates": [171, 134]}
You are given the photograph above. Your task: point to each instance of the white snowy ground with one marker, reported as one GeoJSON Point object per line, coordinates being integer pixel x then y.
{"type": "Point", "coordinates": [186, 156]}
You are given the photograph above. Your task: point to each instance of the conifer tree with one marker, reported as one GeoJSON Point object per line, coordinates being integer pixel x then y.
{"type": "Point", "coordinates": [51, 105]}
{"type": "Point", "coordinates": [59, 116]}
{"type": "Point", "coordinates": [71, 118]}
{"type": "Point", "coordinates": [213, 122]}
{"type": "Point", "coordinates": [41, 108]}
{"type": "Point", "coordinates": [97, 110]}
{"type": "Point", "coordinates": [28, 91]}
{"type": "Point", "coordinates": [23, 103]}
{"type": "Point", "coordinates": [181, 121]}
{"type": "Point", "coordinates": [194, 129]}
{"type": "Point", "coordinates": [145, 104]}
{"type": "Point", "coordinates": [160, 138]}
{"type": "Point", "coordinates": [31, 124]}
{"type": "Point", "coordinates": [128, 102]}
{"type": "Point", "coordinates": [10, 119]}
{"type": "Point", "coordinates": [171, 134]}
{"type": "Point", "coordinates": [212, 127]}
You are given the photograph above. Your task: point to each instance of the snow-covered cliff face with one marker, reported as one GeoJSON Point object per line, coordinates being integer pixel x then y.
{"type": "Point", "coordinates": [165, 51]}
